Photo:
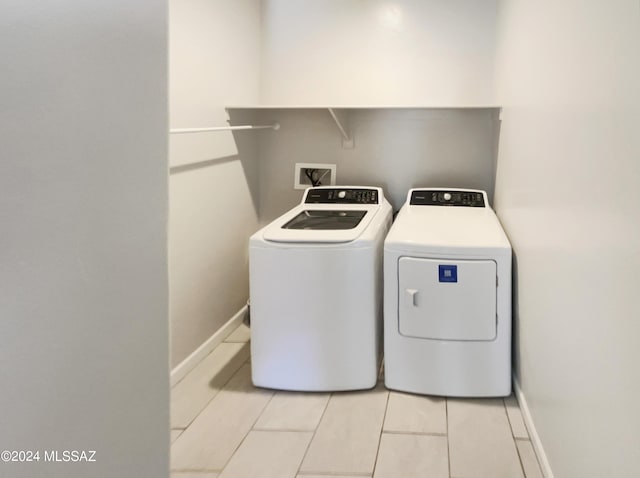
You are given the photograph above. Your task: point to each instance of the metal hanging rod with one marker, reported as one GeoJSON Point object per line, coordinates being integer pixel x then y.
{"type": "Point", "coordinates": [274, 126]}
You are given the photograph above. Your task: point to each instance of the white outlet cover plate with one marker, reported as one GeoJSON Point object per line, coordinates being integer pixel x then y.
{"type": "Point", "coordinates": [301, 166]}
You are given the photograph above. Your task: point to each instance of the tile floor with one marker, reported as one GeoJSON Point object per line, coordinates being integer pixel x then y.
{"type": "Point", "coordinates": [223, 427]}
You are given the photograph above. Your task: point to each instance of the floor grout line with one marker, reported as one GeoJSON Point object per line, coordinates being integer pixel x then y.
{"type": "Point", "coordinates": [520, 460]}
{"type": "Point", "coordinates": [513, 436]}
{"type": "Point", "coordinates": [535, 455]}
{"type": "Point", "coordinates": [384, 417]}
{"type": "Point", "coordinates": [506, 409]}
{"type": "Point", "coordinates": [313, 435]}
{"type": "Point", "coordinates": [288, 430]}
{"type": "Point", "coordinates": [250, 428]}
{"type": "Point", "coordinates": [198, 470]}
{"type": "Point", "coordinates": [401, 432]}
{"type": "Point", "coordinates": [222, 386]}
{"type": "Point", "coordinates": [212, 398]}
{"type": "Point", "coordinates": [513, 432]}
{"type": "Point", "coordinates": [329, 474]}
{"type": "Point", "coordinates": [446, 418]}
{"type": "Point", "coordinates": [268, 430]}
{"type": "Point", "coordinates": [253, 426]}
{"type": "Point", "coordinates": [175, 385]}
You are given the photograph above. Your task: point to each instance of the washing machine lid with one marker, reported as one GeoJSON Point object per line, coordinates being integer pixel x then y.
{"type": "Point", "coordinates": [321, 223]}
{"type": "Point", "coordinates": [327, 215]}
{"type": "Point", "coordinates": [310, 219]}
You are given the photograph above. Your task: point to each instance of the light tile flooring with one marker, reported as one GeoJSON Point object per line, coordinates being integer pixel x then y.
{"type": "Point", "coordinates": [223, 427]}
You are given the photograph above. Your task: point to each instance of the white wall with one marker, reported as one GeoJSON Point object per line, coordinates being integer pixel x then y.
{"type": "Point", "coordinates": [83, 282]}
{"type": "Point", "coordinates": [378, 52]}
{"type": "Point", "coordinates": [214, 61]}
{"type": "Point", "coordinates": [567, 193]}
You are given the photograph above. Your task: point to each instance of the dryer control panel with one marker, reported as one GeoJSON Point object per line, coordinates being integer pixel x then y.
{"type": "Point", "coordinates": [443, 197]}
{"type": "Point", "coordinates": [341, 196]}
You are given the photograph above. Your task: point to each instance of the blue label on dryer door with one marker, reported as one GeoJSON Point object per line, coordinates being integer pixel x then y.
{"type": "Point", "coordinates": [447, 273]}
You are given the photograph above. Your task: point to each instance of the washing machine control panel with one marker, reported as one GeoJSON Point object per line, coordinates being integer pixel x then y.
{"type": "Point", "coordinates": [441, 197]}
{"type": "Point", "coordinates": [341, 196]}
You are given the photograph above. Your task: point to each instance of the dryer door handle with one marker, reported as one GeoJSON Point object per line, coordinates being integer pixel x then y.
{"type": "Point", "coordinates": [411, 297]}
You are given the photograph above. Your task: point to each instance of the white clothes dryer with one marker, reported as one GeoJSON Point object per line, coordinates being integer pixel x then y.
{"type": "Point", "coordinates": [447, 312]}
{"type": "Point", "coordinates": [316, 292]}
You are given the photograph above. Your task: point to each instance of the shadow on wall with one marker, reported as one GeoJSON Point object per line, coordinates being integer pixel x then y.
{"type": "Point", "coordinates": [183, 168]}
{"type": "Point", "coordinates": [246, 145]}
{"type": "Point", "coordinates": [247, 142]}
{"type": "Point", "coordinates": [515, 316]}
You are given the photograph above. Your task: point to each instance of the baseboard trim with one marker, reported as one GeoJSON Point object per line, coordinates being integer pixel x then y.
{"type": "Point", "coordinates": [188, 364]}
{"type": "Point", "coordinates": [531, 428]}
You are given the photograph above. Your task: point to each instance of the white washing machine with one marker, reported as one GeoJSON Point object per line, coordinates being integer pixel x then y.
{"type": "Point", "coordinates": [447, 310]}
{"type": "Point", "coordinates": [316, 292]}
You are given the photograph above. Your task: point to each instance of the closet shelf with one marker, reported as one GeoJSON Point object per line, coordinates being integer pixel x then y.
{"type": "Point", "coordinates": [364, 107]}
{"type": "Point", "coordinates": [340, 114]}
{"type": "Point", "coordinates": [273, 126]}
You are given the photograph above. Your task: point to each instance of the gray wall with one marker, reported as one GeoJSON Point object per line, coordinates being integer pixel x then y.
{"type": "Point", "coordinates": [567, 188]}
{"type": "Point", "coordinates": [83, 281]}
{"type": "Point", "coordinates": [394, 148]}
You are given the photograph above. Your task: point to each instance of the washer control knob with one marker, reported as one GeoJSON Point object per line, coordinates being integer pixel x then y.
{"type": "Point", "coordinates": [447, 196]}
{"type": "Point", "coordinates": [342, 194]}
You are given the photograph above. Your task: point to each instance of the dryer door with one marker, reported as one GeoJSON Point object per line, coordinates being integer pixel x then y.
{"type": "Point", "coordinates": [447, 299]}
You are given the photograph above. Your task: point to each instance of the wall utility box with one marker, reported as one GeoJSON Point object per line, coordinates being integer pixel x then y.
{"type": "Point", "coordinates": [324, 173]}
